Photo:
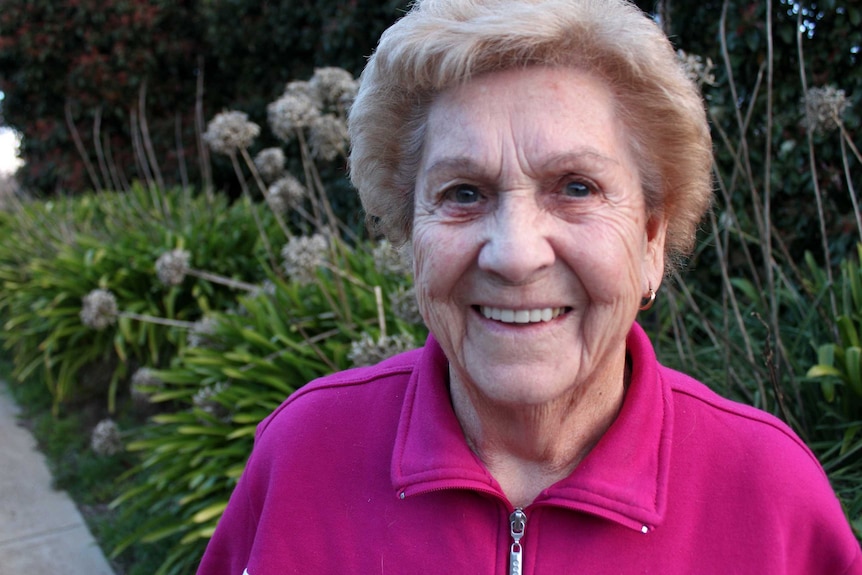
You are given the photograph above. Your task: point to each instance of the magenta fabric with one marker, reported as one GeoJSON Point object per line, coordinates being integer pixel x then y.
{"type": "Point", "coordinates": [367, 471]}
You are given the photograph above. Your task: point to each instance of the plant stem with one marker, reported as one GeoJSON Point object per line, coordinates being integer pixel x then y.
{"type": "Point", "coordinates": [827, 264]}
{"type": "Point", "coordinates": [851, 189]}
{"type": "Point", "coordinates": [253, 210]}
{"type": "Point", "coordinates": [215, 278]}
{"type": "Point", "coordinates": [381, 317]}
{"type": "Point", "coordinates": [79, 145]}
{"type": "Point", "coordinates": [262, 187]}
{"type": "Point", "coordinates": [157, 320]}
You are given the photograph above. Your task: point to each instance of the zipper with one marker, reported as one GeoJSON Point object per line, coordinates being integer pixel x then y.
{"type": "Point", "coordinates": [517, 524]}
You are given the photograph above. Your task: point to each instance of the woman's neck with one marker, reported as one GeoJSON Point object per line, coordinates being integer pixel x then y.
{"type": "Point", "coordinates": [529, 448]}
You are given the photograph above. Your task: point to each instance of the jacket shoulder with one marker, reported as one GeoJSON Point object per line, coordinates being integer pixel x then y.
{"type": "Point", "coordinates": [349, 389]}
{"type": "Point", "coordinates": [697, 404]}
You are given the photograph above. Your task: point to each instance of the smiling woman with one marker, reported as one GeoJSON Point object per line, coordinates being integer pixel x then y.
{"type": "Point", "coordinates": [548, 161]}
{"type": "Point", "coordinates": [554, 220]}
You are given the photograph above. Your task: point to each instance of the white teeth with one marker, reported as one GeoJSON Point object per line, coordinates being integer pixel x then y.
{"type": "Point", "coordinates": [521, 315]}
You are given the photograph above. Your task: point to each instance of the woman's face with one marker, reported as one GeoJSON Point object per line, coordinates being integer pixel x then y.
{"type": "Point", "coordinates": [531, 241]}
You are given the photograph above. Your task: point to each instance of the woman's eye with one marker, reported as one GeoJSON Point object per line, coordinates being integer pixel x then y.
{"type": "Point", "coordinates": [463, 195]}
{"type": "Point", "coordinates": [577, 190]}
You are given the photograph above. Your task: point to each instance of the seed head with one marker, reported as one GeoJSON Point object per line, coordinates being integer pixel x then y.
{"type": "Point", "coordinates": [328, 138]}
{"type": "Point", "coordinates": [144, 384]}
{"type": "Point", "coordinates": [698, 70]}
{"type": "Point", "coordinates": [391, 260]}
{"type": "Point", "coordinates": [267, 288]}
{"type": "Point", "coordinates": [823, 108]}
{"type": "Point", "coordinates": [303, 88]}
{"type": "Point", "coordinates": [99, 309]}
{"type": "Point", "coordinates": [404, 305]}
{"type": "Point", "coordinates": [230, 131]}
{"type": "Point", "coordinates": [368, 351]}
{"type": "Point", "coordinates": [285, 193]}
{"type": "Point", "coordinates": [105, 439]}
{"type": "Point", "coordinates": [303, 255]}
{"type": "Point", "coordinates": [172, 267]}
{"type": "Point", "coordinates": [293, 111]}
{"type": "Point", "coordinates": [206, 399]}
{"type": "Point", "coordinates": [333, 85]}
{"type": "Point", "coordinates": [201, 335]}
{"type": "Point", "coordinates": [270, 164]}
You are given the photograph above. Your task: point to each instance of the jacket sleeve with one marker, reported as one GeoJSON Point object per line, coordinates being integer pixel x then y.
{"type": "Point", "coordinates": [856, 567]}
{"type": "Point", "coordinates": [230, 548]}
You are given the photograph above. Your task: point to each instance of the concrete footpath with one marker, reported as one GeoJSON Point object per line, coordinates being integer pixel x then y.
{"type": "Point", "coordinates": [41, 530]}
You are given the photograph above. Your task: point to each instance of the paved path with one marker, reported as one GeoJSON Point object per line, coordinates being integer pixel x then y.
{"type": "Point", "coordinates": [41, 530]}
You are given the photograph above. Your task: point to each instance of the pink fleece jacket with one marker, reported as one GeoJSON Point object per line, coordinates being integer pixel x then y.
{"type": "Point", "coordinates": [367, 471]}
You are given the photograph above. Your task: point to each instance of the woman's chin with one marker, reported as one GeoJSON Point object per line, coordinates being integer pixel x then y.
{"type": "Point", "coordinates": [517, 384]}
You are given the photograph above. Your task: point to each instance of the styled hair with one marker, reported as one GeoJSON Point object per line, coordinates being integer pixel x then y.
{"type": "Point", "coordinates": [440, 44]}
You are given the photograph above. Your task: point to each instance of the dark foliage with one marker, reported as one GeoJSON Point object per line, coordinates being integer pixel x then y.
{"type": "Point", "coordinates": [831, 40]}
{"type": "Point", "coordinates": [89, 60]}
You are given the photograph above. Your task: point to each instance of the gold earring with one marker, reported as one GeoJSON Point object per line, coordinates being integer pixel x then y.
{"type": "Point", "coordinates": [650, 299]}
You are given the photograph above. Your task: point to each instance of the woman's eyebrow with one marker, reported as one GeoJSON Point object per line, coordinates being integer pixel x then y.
{"type": "Point", "coordinates": [465, 166]}
{"type": "Point", "coordinates": [453, 165]}
{"type": "Point", "coordinates": [579, 157]}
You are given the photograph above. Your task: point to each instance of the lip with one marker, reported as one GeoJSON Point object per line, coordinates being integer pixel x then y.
{"type": "Point", "coordinates": [520, 316]}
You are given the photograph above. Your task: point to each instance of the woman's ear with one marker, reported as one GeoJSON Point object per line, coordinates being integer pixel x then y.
{"type": "Point", "coordinates": [656, 232]}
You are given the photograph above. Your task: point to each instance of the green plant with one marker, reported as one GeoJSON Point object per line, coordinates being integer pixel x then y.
{"type": "Point", "coordinates": [839, 374]}
{"type": "Point", "coordinates": [325, 308]}
{"type": "Point", "coordinates": [843, 360]}
{"type": "Point", "coordinates": [253, 358]}
{"type": "Point", "coordinates": [60, 251]}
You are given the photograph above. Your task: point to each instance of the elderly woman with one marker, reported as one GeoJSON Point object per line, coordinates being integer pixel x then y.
{"type": "Point", "coordinates": [548, 161]}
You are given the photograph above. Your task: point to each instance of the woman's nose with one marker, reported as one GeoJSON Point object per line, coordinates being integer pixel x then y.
{"type": "Point", "coordinates": [516, 246]}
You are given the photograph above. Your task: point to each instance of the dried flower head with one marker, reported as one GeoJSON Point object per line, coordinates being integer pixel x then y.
{"type": "Point", "coordinates": [206, 399]}
{"type": "Point", "coordinates": [304, 88]}
{"type": "Point", "coordinates": [334, 85]}
{"type": "Point", "coordinates": [266, 288]}
{"type": "Point", "coordinates": [823, 108]}
{"type": "Point", "coordinates": [392, 260]}
{"type": "Point", "coordinates": [99, 309]}
{"type": "Point", "coordinates": [286, 193]}
{"type": "Point", "coordinates": [201, 335]}
{"type": "Point", "coordinates": [404, 304]}
{"type": "Point", "coordinates": [144, 384]}
{"type": "Point", "coordinates": [293, 111]}
{"type": "Point", "coordinates": [698, 70]}
{"type": "Point", "coordinates": [105, 439]}
{"type": "Point", "coordinates": [230, 131]}
{"type": "Point", "coordinates": [172, 267]}
{"type": "Point", "coordinates": [270, 164]}
{"type": "Point", "coordinates": [368, 351]}
{"type": "Point", "coordinates": [269, 288]}
{"type": "Point", "coordinates": [303, 255]}
{"type": "Point", "coordinates": [328, 138]}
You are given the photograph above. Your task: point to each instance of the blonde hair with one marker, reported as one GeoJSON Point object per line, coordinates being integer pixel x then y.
{"type": "Point", "coordinates": [439, 44]}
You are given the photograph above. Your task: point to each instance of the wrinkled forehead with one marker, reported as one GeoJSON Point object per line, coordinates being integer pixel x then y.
{"type": "Point", "coordinates": [543, 113]}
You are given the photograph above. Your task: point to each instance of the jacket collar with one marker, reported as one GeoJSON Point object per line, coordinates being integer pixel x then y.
{"type": "Point", "coordinates": [623, 479]}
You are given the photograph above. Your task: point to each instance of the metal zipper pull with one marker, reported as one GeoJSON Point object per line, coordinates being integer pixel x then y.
{"type": "Point", "coordinates": [517, 522]}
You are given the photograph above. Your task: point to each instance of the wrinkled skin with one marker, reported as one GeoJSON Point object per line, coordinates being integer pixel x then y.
{"type": "Point", "coordinates": [528, 200]}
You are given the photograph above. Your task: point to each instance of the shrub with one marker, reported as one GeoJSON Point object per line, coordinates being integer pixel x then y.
{"type": "Point", "coordinates": [839, 373]}
{"type": "Point", "coordinates": [82, 67]}
{"type": "Point", "coordinates": [252, 360]}
{"type": "Point", "coordinates": [58, 252]}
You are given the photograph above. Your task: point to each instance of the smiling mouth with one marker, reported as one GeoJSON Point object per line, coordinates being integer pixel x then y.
{"type": "Point", "coordinates": [522, 315]}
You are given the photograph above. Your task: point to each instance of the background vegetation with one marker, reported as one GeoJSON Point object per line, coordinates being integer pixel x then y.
{"type": "Point", "coordinates": [109, 69]}
{"type": "Point", "coordinates": [171, 285]}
